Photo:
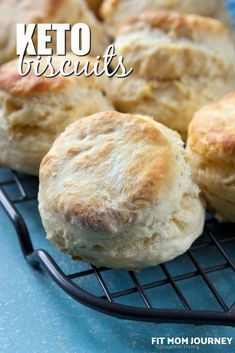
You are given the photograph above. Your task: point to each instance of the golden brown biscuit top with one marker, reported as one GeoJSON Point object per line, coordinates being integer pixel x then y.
{"type": "Point", "coordinates": [212, 130]}
{"type": "Point", "coordinates": [108, 7]}
{"type": "Point", "coordinates": [105, 170]}
{"type": "Point", "coordinates": [185, 25]}
{"type": "Point", "coordinates": [12, 83]}
{"type": "Point", "coordinates": [16, 85]}
{"type": "Point", "coordinates": [115, 10]}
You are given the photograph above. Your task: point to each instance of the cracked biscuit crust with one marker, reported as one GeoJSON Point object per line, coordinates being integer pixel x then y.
{"type": "Point", "coordinates": [115, 190]}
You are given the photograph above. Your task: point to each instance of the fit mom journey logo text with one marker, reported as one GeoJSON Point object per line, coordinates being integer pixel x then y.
{"type": "Point", "coordinates": [192, 341]}
{"type": "Point", "coordinates": [35, 42]}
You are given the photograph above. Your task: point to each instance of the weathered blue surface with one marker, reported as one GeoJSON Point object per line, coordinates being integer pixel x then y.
{"type": "Point", "coordinates": [231, 7]}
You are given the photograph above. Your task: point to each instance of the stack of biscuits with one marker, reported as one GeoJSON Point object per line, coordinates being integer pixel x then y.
{"type": "Point", "coordinates": [118, 188]}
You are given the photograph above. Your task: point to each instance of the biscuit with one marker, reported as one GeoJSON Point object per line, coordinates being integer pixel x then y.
{"type": "Point", "coordinates": [211, 152]}
{"type": "Point", "coordinates": [34, 110]}
{"type": "Point", "coordinates": [116, 191]}
{"type": "Point", "coordinates": [115, 11]}
{"type": "Point", "coordinates": [94, 5]}
{"type": "Point", "coordinates": [180, 63]}
{"type": "Point", "coordinates": [46, 11]}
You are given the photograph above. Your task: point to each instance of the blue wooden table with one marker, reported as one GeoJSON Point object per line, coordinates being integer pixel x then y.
{"type": "Point", "coordinates": [37, 317]}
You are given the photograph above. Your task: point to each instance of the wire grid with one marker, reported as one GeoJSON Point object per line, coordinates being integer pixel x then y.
{"type": "Point", "coordinates": [208, 240]}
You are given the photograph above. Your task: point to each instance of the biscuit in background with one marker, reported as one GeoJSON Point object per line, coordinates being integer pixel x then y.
{"type": "Point", "coordinates": [116, 191]}
{"type": "Point", "coordinates": [115, 11]}
{"type": "Point", "coordinates": [94, 5]}
{"type": "Point", "coordinates": [34, 110]}
{"type": "Point", "coordinates": [181, 62]}
{"type": "Point", "coordinates": [46, 11]}
{"type": "Point", "coordinates": [211, 152]}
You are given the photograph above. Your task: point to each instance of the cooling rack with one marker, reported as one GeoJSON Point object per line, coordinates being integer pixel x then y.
{"type": "Point", "coordinates": [231, 9]}
{"type": "Point", "coordinates": [210, 260]}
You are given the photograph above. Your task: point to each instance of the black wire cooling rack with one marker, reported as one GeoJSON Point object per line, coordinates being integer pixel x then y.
{"type": "Point", "coordinates": [216, 237]}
